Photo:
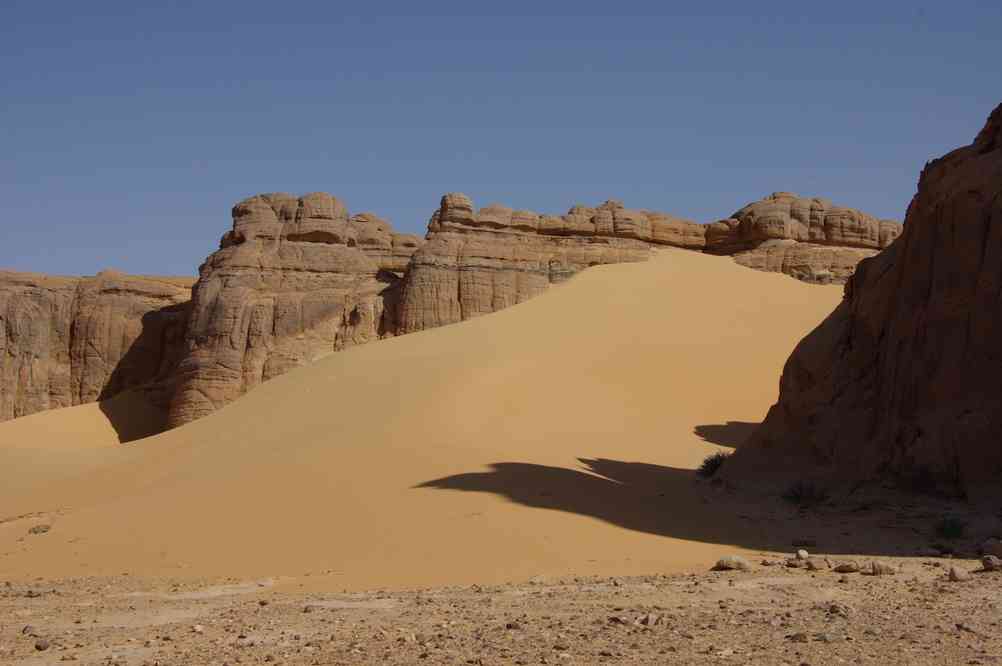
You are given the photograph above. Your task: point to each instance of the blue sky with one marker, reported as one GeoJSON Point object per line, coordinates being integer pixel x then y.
{"type": "Point", "coordinates": [128, 129]}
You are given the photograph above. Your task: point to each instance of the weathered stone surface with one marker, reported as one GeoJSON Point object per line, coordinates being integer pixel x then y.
{"type": "Point", "coordinates": [299, 277]}
{"type": "Point", "coordinates": [295, 279]}
{"type": "Point", "coordinates": [476, 262]}
{"type": "Point", "coordinates": [68, 341]}
{"type": "Point", "coordinates": [902, 379]}
{"type": "Point", "coordinates": [807, 238]}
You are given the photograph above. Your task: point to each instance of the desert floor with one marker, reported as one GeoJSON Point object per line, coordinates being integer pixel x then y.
{"type": "Point", "coordinates": [532, 468]}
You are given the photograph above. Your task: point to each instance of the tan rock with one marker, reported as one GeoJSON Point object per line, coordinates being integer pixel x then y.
{"type": "Point", "coordinates": [477, 262]}
{"type": "Point", "coordinates": [295, 279]}
{"type": "Point", "coordinates": [807, 238]}
{"type": "Point", "coordinates": [68, 341]}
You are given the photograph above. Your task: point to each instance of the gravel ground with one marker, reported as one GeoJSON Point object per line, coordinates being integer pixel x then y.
{"type": "Point", "coordinates": [773, 613]}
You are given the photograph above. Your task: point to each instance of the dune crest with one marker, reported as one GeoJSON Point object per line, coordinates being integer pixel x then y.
{"type": "Point", "coordinates": [558, 435]}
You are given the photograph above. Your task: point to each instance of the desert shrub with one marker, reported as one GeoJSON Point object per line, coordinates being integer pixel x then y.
{"type": "Point", "coordinates": [951, 527]}
{"type": "Point", "coordinates": [711, 464]}
{"type": "Point", "coordinates": [805, 494]}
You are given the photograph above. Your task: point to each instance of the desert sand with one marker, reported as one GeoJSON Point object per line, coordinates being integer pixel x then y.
{"type": "Point", "coordinates": [556, 437]}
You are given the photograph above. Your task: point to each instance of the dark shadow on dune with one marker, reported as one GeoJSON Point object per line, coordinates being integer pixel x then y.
{"type": "Point", "coordinates": [133, 415]}
{"type": "Point", "coordinates": [672, 502]}
{"type": "Point", "coordinates": [732, 433]}
{"type": "Point", "coordinates": [142, 372]}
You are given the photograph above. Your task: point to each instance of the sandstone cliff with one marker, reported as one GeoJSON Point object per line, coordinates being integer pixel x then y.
{"type": "Point", "coordinates": [296, 278]}
{"type": "Point", "coordinates": [68, 341]}
{"type": "Point", "coordinates": [476, 262]}
{"type": "Point", "coordinates": [902, 380]}
{"type": "Point", "coordinates": [809, 239]}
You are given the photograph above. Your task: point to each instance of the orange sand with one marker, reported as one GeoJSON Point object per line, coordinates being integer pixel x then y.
{"type": "Point", "coordinates": [371, 467]}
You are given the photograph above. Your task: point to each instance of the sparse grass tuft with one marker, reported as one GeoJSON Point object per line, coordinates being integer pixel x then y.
{"type": "Point", "coordinates": [806, 494]}
{"type": "Point", "coordinates": [712, 463]}
{"type": "Point", "coordinates": [951, 527]}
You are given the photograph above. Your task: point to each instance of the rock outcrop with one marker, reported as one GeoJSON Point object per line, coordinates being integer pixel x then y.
{"type": "Point", "coordinates": [295, 279]}
{"type": "Point", "coordinates": [903, 379]}
{"type": "Point", "coordinates": [68, 341]}
{"type": "Point", "coordinates": [298, 277]}
{"type": "Point", "coordinates": [809, 239]}
{"type": "Point", "coordinates": [476, 262]}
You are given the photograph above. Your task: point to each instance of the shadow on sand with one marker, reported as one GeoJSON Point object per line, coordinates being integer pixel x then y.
{"type": "Point", "coordinates": [731, 433]}
{"type": "Point", "coordinates": [128, 397]}
{"type": "Point", "coordinates": [673, 502]}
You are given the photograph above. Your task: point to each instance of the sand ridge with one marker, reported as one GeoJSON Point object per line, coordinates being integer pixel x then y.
{"type": "Point", "coordinates": [555, 436]}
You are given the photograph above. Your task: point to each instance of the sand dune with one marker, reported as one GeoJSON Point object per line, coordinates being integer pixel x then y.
{"type": "Point", "coordinates": [555, 437]}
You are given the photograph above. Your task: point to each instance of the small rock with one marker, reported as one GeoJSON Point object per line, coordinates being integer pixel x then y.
{"type": "Point", "coordinates": [512, 626]}
{"type": "Point", "coordinates": [651, 619]}
{"type": "Point", "coordinates": [198, 629]}
{"type": "Point", "coordinates": [847, 567]}
{"type": "Point", "coordinates": [794, 563]}
{"type": "Point", "coordinates": [841, 610]}
{"type": "Point", "coordinates": [799, 637]}
{"type": "Point", "coordinates": [41, 645]}
{"type": "Point", "coordinates": [28, 630]}
{"type": "Point", "coordinates": [731, 563]}
{"type": "Point", "coordinates": [878, 568]}
{"type": "Point", "coordinates": [802, 554]}
{"type": "Point", "coordinates": [39, 529]}
{"type": "Point", "coordinates": [958, 575]}
{"type": "Point", "coordinates": [814, 565]}
{"type": "Point", "coordinates": [991, 563]}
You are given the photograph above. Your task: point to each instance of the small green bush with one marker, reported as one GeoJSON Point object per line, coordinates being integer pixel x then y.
{"type": "Point", "coordinates": [711, 464]}
{"type": "Point", "coordinates": [951, 527]}
{"type": "Point", "coordinates": [805, 494]}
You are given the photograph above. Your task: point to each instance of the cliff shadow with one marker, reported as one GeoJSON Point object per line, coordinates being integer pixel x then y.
{"type": "Point", "coordinates": [731, 434]}
{"type": "Point", "coordinates": [674, 502]}
{"type": "Point", "coordinates": [136, 394]}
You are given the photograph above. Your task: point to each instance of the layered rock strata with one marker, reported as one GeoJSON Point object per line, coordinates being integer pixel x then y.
{"type": "Point", "coordinates": [296, 278]}
{"type": "Point", "coordinates": [807, 238]}
{"type": "Point", "coordinates": [299, 277]}
{"type": "Point", "coordinates": [476, 262]}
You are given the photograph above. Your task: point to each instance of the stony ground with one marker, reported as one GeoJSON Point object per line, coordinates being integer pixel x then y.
{"type": "Point", "coordinates": [771, 614]}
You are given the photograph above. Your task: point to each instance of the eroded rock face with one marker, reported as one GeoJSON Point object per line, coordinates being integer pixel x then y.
{"type": "Point", "coordinates": [295, 279]}
{"type": "Point", "coordinates": [903, 379]}
{"type": "Point", "coordinates": [807, 238]}
{"type": "Point", "coordinates": [476, 262]}
{"type": "Point", "coordinates": [299, 277]}
{"type": "Point", "coordinates": [68, 341]}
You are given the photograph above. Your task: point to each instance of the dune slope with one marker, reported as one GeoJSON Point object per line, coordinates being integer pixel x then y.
{"type": "Point", "coordinates": [557, 436]}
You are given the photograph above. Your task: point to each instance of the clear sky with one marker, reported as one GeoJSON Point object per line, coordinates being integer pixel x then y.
{"type": "Point", "coordinates": [128, 128]}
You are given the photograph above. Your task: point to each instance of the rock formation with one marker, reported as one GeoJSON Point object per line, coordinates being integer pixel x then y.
{"type": "Point", "coordinates": [295, 279]}
{"type": "Point", "coordinates": [67, 341]}
{"type": "Point", "coordinates": [809, 239]}
{"type": "Point", "coordinates": [298, 277]}
{"type": "Point", "coordinates": [903, 379]}
{"type": "Point", "coordinates": [475, 262]}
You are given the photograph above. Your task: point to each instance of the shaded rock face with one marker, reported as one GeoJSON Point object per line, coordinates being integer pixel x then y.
{"type": "Point", "coordinates": [807, 238]}
{"type": "Point", "coordinates": [903, 379]}
{"type": "Point", "coordinates": [69, 341]}
{"type": "Point", "coordinates": [295, 279]}
{"type": "Point", "coordinates": [476, 262]}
